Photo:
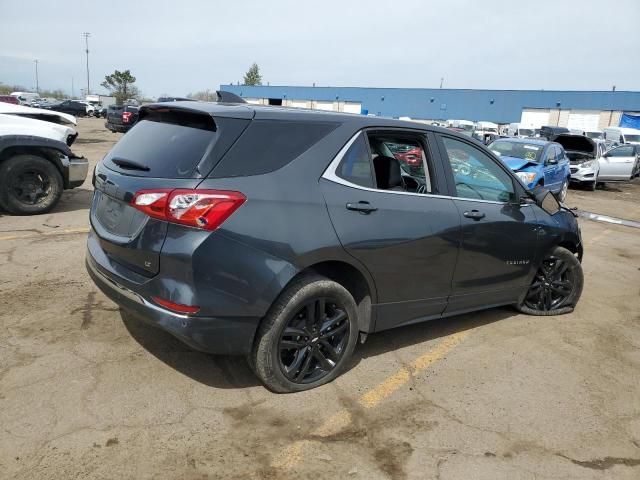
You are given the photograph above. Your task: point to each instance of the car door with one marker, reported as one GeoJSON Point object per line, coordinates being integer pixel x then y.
{"type": "Point", "coordinates": [498, 235]}
{"type": "Point", "coordinates": [564, 166]}
{"type": "Point", "coordinates": [550, 167]}
{"type": "Point", "coordinates": [406, 236]}
{"type": "Point", "coordinates": [617, 164]}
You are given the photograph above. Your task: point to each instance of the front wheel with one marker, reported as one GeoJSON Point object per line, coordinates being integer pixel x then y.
{"type": "Point", "coordinates": [307, 337]}
{"type": "Point", "coordinates": [556, 286]}
{"type": "Point", "coordinates": [29, 185]}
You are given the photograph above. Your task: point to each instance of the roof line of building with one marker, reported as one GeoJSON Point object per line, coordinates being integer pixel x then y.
{"type": "Point", "coordinates": [430, 88]}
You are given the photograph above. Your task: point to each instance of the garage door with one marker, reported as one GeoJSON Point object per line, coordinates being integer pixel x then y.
{"type": "Point", "coordinates": [534, 117]}
{"type": "Point", "coordinates": [585, 120]}
{"type": "Point", "coordinates": [323, 105]}
{"type": "Point", "coordinates": [353, 107]}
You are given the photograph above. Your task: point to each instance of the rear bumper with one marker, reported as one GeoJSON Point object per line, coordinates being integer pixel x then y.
{"type": "Point", "coordinates": [117, 128]}
{"type": "Point", "coordinates": [225, 336]}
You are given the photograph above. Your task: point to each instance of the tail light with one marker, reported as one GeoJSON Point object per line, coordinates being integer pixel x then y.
{"type": "Point", "coordinates": [126, 117]}
{"type": "Point", "coordinates": [206, 209]}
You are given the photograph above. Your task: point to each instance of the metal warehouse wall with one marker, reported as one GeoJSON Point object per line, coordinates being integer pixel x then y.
{"type": "Point", "coordinates": [500, 106]}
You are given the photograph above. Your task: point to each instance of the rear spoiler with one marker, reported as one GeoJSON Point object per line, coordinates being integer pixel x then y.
{"type": "Point", "coordinates": [228, 97]}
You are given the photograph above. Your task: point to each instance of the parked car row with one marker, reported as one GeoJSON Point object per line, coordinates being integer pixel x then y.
{"type": "Point", "coordinates": [554, 157]}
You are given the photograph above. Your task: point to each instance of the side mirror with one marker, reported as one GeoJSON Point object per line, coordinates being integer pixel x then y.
{"type": "Point", "coordinates": [546, 200]}
{"type": "Point", "coordinates": [552, 161]}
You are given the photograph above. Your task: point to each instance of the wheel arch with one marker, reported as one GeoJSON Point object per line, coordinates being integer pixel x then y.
{"type": "Point", "coordinates": [573, 246]}
{"type": "Point", "coordinates": [357, 283]}
{"type": "Point", "coordinates": [46, 149]}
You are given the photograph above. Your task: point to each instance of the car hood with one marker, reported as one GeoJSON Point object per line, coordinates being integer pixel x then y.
{"type": "Point", "coordinates": [577, 143]}
{"type": "Point", "coordinates": [516, 164]}
{"type": "Point", "coordinates": [14, 125]}
{"type": "Point", "coordinates": [47, 115]}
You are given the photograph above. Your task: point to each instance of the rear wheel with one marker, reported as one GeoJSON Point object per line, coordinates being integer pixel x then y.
{"type": "Point", "coordinates": [307, 337]}
{"type": "Point", "coordinates": [29, 185]}
{"type": "Point", "coordinates": [556, 286]}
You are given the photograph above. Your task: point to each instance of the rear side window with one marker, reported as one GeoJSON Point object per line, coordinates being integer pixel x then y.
{"type": "Point", "coordinates": [355, 166]}
{"type": "Point", "coordinates": [162, 150]}
{"type": "Point", "coordinates": [268, 145]}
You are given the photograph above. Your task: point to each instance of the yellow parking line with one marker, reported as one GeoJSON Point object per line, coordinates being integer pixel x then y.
{"type": "Point", "coordinates": [68, 231]}
{"type": "Point", "coordinates": [292, 454]}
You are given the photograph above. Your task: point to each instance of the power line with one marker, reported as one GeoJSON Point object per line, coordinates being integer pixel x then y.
{"type": "Point", "coordinates": [86, 36]}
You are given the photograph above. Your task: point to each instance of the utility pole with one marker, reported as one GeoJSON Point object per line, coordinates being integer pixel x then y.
{"type": "Point", "coordinates": [37, 83]}
{"type": "Point", "coordinates": [86, 36]}
{"type": "Point", "coordinates": [72, 90]}
{"type": "Point", "coordinates": [441, 81]}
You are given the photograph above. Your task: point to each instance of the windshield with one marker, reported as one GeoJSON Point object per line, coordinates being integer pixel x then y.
{"type": "Point", "coordinates": [632, 138]}
{"type": "Point", "coordinates": [597, 135]}
{"type": "Point", "coordinates": [525, 132]}
{"type": "Point", "coordinates": [521, 150]}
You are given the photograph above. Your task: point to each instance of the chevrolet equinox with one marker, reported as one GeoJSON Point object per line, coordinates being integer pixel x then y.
{"type": "Point", "coordinates": [286, 234]}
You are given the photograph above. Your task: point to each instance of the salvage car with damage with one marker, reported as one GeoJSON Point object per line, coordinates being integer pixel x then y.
{"type": "Point", "coordinates": [287, 235]}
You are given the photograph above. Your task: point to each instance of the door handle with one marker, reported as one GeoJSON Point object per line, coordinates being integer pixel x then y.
{"type": "Point", "coordinates": [362, 207]}
{"type": "Point", "coordinates": [474, 214]}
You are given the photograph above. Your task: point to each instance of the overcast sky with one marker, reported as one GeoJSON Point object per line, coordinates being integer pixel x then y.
{"type": "Point", "coordinates": [183, 46]}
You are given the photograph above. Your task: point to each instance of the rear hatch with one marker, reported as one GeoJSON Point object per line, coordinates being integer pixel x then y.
{"type": "Point", "coordinates": [169, 148]}
{"type": "Point", "coordinates": [114, 114]}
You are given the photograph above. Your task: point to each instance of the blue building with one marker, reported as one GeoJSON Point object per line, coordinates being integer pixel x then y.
{"type": "Point", "coordinates": [574, 109]}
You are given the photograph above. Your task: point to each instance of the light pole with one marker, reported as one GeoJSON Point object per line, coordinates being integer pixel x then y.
{"type": "Point", "coordinates": [37, 83]}
{"type": "Point", "coordinates": [86, 36]}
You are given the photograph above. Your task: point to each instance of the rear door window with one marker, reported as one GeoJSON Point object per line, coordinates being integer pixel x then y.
{"type": "Point", "coordinates": [355, 166]}
{"type": "Point", "coordinates": [268, 145]}
{"type": "Point", "coordinates": [164, 145]}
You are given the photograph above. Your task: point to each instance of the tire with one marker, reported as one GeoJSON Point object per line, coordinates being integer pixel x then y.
{"type": "Point", "coordinates": [562, 194]}
{"type": "Point", "coordinates": [560, 269]}
{"type": "Point", "coordinates": [290, 322]}
{"type": "Point", "coordinates": [29, 185]}
{"type": "Point", "coordinates": [592, 186]}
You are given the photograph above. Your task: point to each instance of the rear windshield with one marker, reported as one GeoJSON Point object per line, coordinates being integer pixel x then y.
{"type": "Point", "coordinates": [268, 145]}
{"type": "Point", "coordinates": [164, 150]}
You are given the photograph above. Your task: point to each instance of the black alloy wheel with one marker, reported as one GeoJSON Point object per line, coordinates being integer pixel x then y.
{"type": "Point", "coordinates": [307, 337]}
{"type": "Point", "coordinates": [314, 340]}
{"type": "Point", "coordinates": [29, 184]}
{"type": "Point", "coordinates": [556, 286]}
{"type": "Point", "coordinates": [30, 187]}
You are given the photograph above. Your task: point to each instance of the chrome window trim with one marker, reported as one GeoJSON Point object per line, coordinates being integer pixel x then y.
{"type": "Point", "coordinates": [330, 174]}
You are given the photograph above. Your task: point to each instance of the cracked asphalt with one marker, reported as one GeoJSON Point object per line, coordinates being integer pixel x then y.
{"type": "Point", "coordinates": [87, 391]}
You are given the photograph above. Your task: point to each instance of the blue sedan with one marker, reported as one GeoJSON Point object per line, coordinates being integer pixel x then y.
{"type": "Point", "coordinates": [536, 163]}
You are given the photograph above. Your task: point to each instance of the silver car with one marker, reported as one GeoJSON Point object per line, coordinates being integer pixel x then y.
{"type": "Point", "coordinates": [621, 163]}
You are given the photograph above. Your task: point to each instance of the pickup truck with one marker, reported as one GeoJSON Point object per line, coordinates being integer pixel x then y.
{"type": "Point", "coordinates": [120, 118]}
{"type": "Point", "coordinates": [36, 165]}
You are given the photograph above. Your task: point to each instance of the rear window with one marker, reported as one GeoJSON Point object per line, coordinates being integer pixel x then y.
{"type": "Point", "coordinates": [268, 145]}
{"type": "Point", "coordinates": [167, 150]}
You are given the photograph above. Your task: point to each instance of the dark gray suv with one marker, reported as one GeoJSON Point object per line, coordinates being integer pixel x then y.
{"type": "Point", "coordinates": [285, 235]}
